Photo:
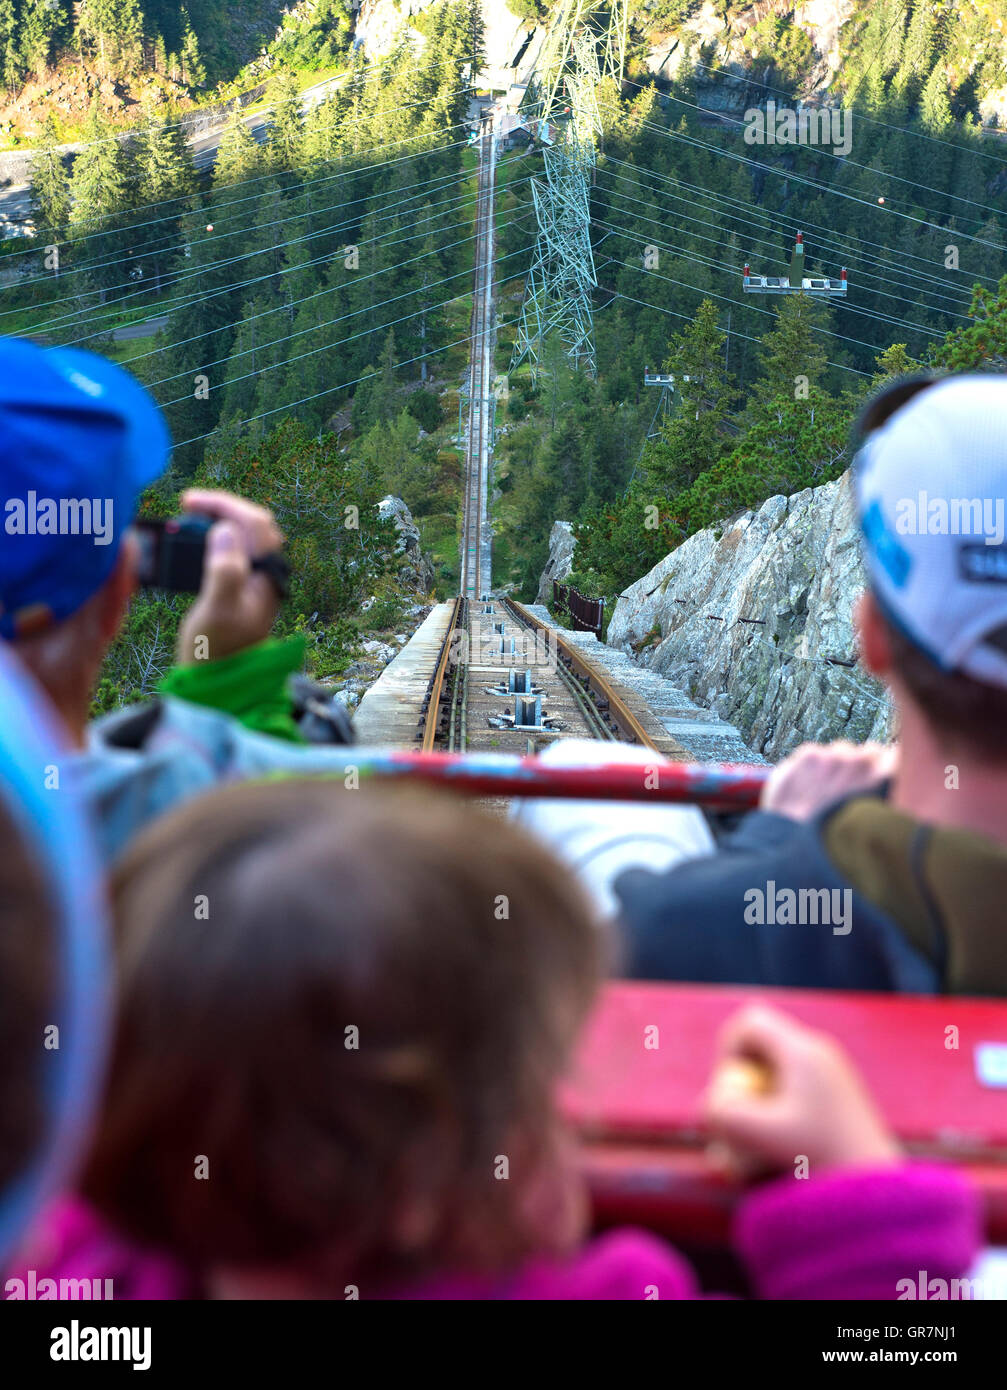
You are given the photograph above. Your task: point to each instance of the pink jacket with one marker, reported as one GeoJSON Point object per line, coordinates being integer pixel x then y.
{"type": "Point", "coordinates": [852, 1234]}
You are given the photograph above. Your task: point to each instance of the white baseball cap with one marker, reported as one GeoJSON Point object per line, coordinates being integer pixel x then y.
{"type": "Point", "coordinates": [931, 490]}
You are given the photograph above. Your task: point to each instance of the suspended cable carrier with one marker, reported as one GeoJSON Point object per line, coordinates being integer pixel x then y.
{"type": "Point", "coordinates": [818, 286]}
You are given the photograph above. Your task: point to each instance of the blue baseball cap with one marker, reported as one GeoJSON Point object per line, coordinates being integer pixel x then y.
{"type": "Point", "coordinates": [79, 441]}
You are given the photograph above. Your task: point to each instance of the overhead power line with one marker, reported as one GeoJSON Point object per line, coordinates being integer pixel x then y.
{"type": "Point", "coordinates": [792, 176]}
{"type": "Point", "coordinates": [295, 212]}
{"type": "Point", "coordinates": [890, 277]}
{"type": "Point", "coordinates": [134, 134]}
{"type": "Point", "coordinates": [341, 386]}
{"type": "Point", "coordinates": [752, 210]}
{"type": "Point", "coordinates": [733, 332]}
{"type": "Point", "coordinates": [340, 342]}
{"type": "Point", "coordinates": [861, 116]}
{"type": "Point", "coordinates": [845, 160]}
{"type": "Point", "coordinates": [200, 202]}
{"type": "Point", "coordinates": [200, 272]}
{"type": "Point", "coordinates": [316, 327]}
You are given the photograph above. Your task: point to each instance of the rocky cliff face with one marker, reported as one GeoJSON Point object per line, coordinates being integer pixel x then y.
{"type": "Point", "coordinates": [509, 57]}
{"type": "Point", "coordinates": [821, 20]}
{"type": "Point", "coordinates": [560, 561]}
{"type": "Point", "coordinates": [755, 622]}
{"type": "Point", "coordinates": [380, 22]}
{"type": "Point", "coordinates": [415, 572]}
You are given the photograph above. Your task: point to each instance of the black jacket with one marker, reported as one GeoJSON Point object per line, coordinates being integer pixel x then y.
{"type": "Point", "coordinates": [689, 923]}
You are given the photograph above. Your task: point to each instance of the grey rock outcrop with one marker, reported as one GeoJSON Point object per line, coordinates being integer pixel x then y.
{"type": "Point", "coordinates": [728, 88]}
{"type": "Point", "coordinates": [560, 561]}
{"type": "Point", "coordinates": [415, 572]}
{"type": "Point", "coordinates": [380, 24]}
{"type": "Point", "coordinates": [755, 622]}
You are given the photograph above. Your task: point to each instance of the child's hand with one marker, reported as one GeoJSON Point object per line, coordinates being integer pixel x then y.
{"type": "Point", "coordinates": [799, 1097]}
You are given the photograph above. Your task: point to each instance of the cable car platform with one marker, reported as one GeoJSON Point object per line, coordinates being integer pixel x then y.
{"type": "Point", "coordinates": [818, 287]}
{"type": "Point", "coordinates": [796, 282]}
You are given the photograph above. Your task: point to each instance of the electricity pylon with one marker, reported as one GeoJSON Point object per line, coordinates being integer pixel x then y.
{"type": "Point", "coordinates": [577, 53]}
{"type": "Point", "coordinates": [606, 21]}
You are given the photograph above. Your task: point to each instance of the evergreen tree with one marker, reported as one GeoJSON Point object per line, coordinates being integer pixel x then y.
{"type": "Point", "coordinates": [935, 108]}
{"type": "Point", "coordinates": [696, 436]}
{"type": "Point", "coordinates": [165, 178]}
{"type": "Point", "coordinates": [97, 27]}
{"type": "Point", "coordinates": [475, 36]}
{"type": "Point", "coordinates": [982, 345]}
{"type": "Point", "coordinates": [39, 26]}
{"type": "Point", "coordinates": [286, 131]}
{"type": "Point", "coordinates": [102, 187]}
{"type": "Point", "coordinates": [164, 162]}
{"type": "Point", "coordinates": [238, 154]}
{"type": "Point", "coordinates": [917, 55]}
{"type": "Point", "coordinates": [892, 363]}
{"type": "Point", "coordinates": [100, 182]}
{"type": "Point", "coordinates": [791, 349]}
{"type": "Point", "coordinates": [254, 351]}
{"type": "Point", "coordinates": [11, 66]}
{"type": "Point", "coordinates": [193, 71]}
{"type": "Point", "coordinates": [50, 183]}
{"type": "Point", "coordinates": [129, 34]}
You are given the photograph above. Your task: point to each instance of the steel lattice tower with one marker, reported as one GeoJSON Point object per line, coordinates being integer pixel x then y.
{"type": "Point", "coordinates": [606, 21]}
{"type": "Point", "coordinates": [575, 56]}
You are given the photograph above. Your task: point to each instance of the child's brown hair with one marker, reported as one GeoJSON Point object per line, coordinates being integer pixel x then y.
{"type": "Point", "coordinates": [350, 1005]}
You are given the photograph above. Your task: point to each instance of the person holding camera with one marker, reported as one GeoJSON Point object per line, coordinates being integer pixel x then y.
{"type": "Point", "coordinates": [80, 440]}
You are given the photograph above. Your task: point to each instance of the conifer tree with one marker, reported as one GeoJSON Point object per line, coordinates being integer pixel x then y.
{"type": "Point", "coordinates": [164, 162]}
{"type": "Point", "coordinates": [39, 24]}
{"type": "Point", "coordinates": [50, 183]}
{"type": "Point", "coordinates": [254, 351]}
{"type": "Point", "coordinates": [193, 70]}
{"type": "Point", "coordinates": [917, 55]}
{"type": "Point", "coordinates": [165, 178]}
{"type": "Point", "coordinates": [694, 438]}
{"type": "Point", "coordinates": [100, 179]}
{"type": "Point", "coordinates": [791, 349]}
{"type": "Point", "coordinates": [128, 33]}
{"type": "Point", "coordinates": [475, 36]}
{"type": "Point", "coordinates": [286, 131]}
{"type": "Point", "coordinates": [238, 154]}
{"type": "Point", "coordinates": [11, 66]}
{"type": "Point", "coordinates": [97, 27]}
{"type": "Point", "coordinates": [102, 186]}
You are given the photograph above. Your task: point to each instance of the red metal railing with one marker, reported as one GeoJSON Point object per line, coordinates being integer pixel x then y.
{"type": "Point", "coordinates": [587, 614]}
{"type": "Point", "coordinates": [718, 786]}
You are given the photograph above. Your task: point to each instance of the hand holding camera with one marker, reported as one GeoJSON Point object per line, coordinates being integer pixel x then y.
{"type": "Point", "coordinates": [229, 550]}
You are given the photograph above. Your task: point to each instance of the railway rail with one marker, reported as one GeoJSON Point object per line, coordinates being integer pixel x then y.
{"type": "Point", "coordinates": [503, 680]}
{"type": "Point", "coordinates": [475, 576]}
{"type": "Point", "coordinates": [507, 682]}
